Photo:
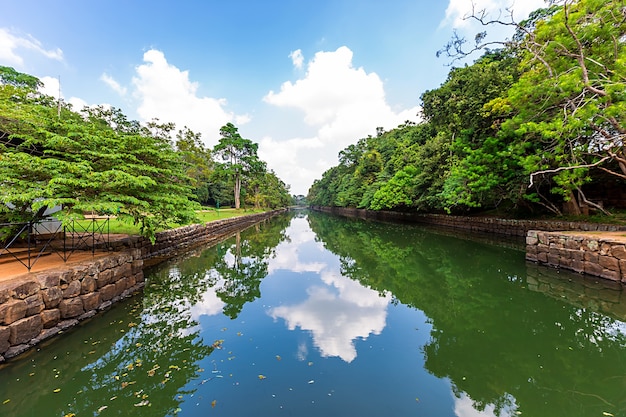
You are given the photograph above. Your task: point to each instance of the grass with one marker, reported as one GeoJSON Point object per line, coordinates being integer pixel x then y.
{"type": "Point", "coordinates": [117, 226]}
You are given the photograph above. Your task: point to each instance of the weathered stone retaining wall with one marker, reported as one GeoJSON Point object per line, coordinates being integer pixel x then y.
{"type": "Point", "coordinates": [37, 306]}
{"type": "Point", "coordinates": [593, 255]}
{"type": "Point", "coordinates": [508, 227]}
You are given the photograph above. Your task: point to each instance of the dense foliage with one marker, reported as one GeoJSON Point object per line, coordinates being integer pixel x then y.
{"type": "Point", "coordinates": [97, 160]}
{"type": "Point", "coordinates": [537, 124]}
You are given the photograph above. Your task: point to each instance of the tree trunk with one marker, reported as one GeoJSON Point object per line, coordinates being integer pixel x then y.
{"type": "Point", "coordinates": [237, 191]}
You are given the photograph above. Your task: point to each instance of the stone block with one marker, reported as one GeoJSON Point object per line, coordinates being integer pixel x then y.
{"type": "Point", "coordinates": [34, 304]}
{"type": "Point", "coordinates": [5, 333]}
{"type": "Point", "coordinates": [22, 331]}
{"type": "Point", "coordinates": [71, 307]}
{"type": "Point", "coordinates": [121, 271]}
{"type": "Point", "coordinates": [91, 301]}
{"type": "Point", "coordinates": [12, 311]}
{"type": "Point", "coordinates": [107, 292]}
{"type": "Point", "coordinates": [121, 285]}
{"type": "Point", "coordinates": [49, 279]}
{"type": "Point", "coordinates": [577, 265]}
{"type": "Point", "coordinates": [619, 251]}
{"type": "Point", "coordinates": [104, 278]}
{"type": "Point", "coordinates": [4, 295]}
{"type": "Point", "coordinates": [72, 290]}
{"type": "Point", "coordinates": [88, 285]}
{"type": "Point", "coordinates": [542, 257]}
{"type": "Point", "coordinates": [532, 240]}
{"type": "Point", "coordinates": [592, 268]}
{"type": "Point", "coordinates": [52, 296]}
{"type": "Point", "coordinates": [50, 318]}
{"type": "Point", "coordinates": [25, 289]}
{"type": "Point", "coordinates": [591, 257]}
{"type": "Point", "coordinates": [608, 262]}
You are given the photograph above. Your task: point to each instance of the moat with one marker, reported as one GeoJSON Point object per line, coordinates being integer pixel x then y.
{"type": "Point", "coordinates": [309, 314]}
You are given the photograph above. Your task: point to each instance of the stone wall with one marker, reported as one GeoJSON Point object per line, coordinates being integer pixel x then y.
{"type": "Point", "coordinates": [507, 227]}
{"type": "Point", "coordinates": [600, 256]}
{"type": "Point", "coordinates": [39, 305]}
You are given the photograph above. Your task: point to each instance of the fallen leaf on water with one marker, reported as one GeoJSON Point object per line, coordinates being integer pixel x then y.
{"type": "Point", "coordinates": [57, 390]}
{"type": "Point", "coordinates": [262, 376]}
{"type": "Point", "coordinates": [213, 403]}
{"type": "Point", "coordinates": [604, 413]}
{"type": "Point", "coordinates": [70, 415]}
{"type": "Point", "coordinates": [141, 404]}
{"type": "Point", "coordinates": [278, 357]}
{"type": "Point", "coordinates": [312, 381]}
{"type": "Point", "coordinates": [6, 401]}
{"type": "Point", "coordinates": [101, 409]}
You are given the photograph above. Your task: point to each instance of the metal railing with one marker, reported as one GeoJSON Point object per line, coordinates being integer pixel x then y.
{"type": "Point", "coordinates": [27, 242]}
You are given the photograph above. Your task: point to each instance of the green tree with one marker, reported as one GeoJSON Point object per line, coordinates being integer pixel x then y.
{"type": "Point", "coordinates": [239, 156]}
{"type": "Point", "coordinates": [97, 161]}
{"type": "Point", "coordinates": [198, 162]}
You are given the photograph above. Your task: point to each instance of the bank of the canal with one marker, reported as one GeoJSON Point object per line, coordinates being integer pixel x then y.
{"type": "Point", "coordinates": [39, 305]}
{"type": "Point", "coordinates": [594, 249]}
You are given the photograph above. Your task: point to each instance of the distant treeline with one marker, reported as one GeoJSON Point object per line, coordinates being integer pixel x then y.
{"type": "Point", "coordinates": [537, 124]}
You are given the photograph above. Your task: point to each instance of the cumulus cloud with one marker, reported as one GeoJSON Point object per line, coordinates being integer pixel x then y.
{"type": "Point", "coordinates": [336, 315]}
{"type": "Point", "coordinates": [165, 92]}
{"type": "Point", "coordinates": [115, 86]}
{"type": "Point", "coordinates": [341, 102]}
{"type": "Point", "coordinates": [11, 44]}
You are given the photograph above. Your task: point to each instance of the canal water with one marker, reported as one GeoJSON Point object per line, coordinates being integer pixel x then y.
{"type": "Point", "coordinates": [313, 315]}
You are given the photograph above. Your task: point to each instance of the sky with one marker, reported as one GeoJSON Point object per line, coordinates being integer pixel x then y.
{"type": "Point", "coordinates": [303, 79]}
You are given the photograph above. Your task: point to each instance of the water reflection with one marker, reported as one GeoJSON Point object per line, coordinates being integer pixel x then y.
{"type": "Point", "coordinates": [317, 315]}
{"type": "Point", "coordinates": [505, 350]}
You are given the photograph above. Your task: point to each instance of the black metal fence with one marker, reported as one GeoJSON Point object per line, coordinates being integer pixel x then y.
{"type": "Point", "coordinates": [27, 242]}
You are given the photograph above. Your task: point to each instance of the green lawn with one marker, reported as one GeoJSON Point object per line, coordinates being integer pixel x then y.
{"type": "Point", "coordinates": [208, 215]}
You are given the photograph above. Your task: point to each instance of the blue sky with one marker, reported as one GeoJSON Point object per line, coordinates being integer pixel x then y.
{"type": "Point", "coordinates": [304, 79]}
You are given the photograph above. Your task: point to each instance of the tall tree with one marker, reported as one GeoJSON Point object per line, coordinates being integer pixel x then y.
{"type": "Point", "coordinates": [239, 156]}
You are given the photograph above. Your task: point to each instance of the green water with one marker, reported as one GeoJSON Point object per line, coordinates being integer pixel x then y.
{"type": "Point", "coordinates": [313, 315]}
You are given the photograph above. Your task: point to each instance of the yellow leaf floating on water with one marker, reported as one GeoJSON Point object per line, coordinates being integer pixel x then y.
{"type": "Point", "coordinates": [604, 413]}
{"type": "Point", "coordinates": [6, 401]}
{"type": "Point", "coordinates": [70, 415]}
{"type": "Point", "coordinates": [57, 390]}
{"type": "Point", "coordinates": [278, 357]}
{"type": "Point", "coordinates": [262, 376]}
{"type": "Point", "coordinates": [101, 409]}
{"type": "Point", "coordinates": [213, 403]}
{"type": "Point", "coordinates": [141, 404]}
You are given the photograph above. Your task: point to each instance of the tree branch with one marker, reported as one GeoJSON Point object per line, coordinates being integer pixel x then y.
{"type": "Point", "coordinates": [552, 171]}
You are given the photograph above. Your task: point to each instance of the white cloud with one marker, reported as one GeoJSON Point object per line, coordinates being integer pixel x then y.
{"type": "Point", "coordinates": [336, 320]}
{"type": "Point", "coordinates": [297, 58]}
{"type": "Point", "coordinates": [115, 86]}
{"type": "Point", "coordinates": [10, 44]}
{"type": "Point", "coordinates": [458, 10]}
{"type": "Point", "coordinates": [51, 88]}
{"type": "Point", "coordinates": [165, 92]}
{"type": "Point", "coordinates": [341, 102]}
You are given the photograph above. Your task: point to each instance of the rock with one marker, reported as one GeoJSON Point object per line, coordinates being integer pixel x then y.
{"type": "Point", "coordinates": [34, 304]}
{"type": "Point", "coordinates": [71, 307]}
{"type": "Point", "coordinates": [5, 332]}
{"type": "Point", "coordinates": [22, 331]}
{"type": "Point", "coordinates": [50, 318]}
{"type": "Point", "coordinates": [72, 290]}
{"type": "Point", "coordinates": [52, 297]}
{"type": "Point", "coordinates": [12, 311]}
